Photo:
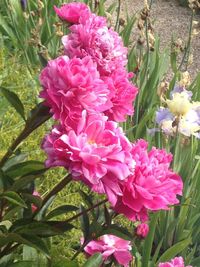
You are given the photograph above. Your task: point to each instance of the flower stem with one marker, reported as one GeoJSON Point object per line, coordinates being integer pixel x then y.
{"type": "Point", "coordinates": [13, 146]}
{"type": "Point", "coordinates": [40, 114]}
{"type": "Point", "coordinates": [80, 214]}
{"type": "Point", "coordinates": [67, 179]}
{"type": "Point", "coordinates": [86, 211]}
{"type": "Point", "coordinates": [57, 188]}
{"type": "Point", "coordinates": [187, 49]}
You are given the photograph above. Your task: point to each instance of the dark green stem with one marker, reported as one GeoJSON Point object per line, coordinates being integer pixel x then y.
{"type": "Point", "coordinates": [187, 49]}
{"type": "Point", "coordinates": [57, 188]}
{"type": "Point", "coordinates": [80, 250]}
{"type": "Point", "coordinates": [67, 179]}
{"type": "Point", "coordinates": [8, 249]}
{"type": "Point", "coordinates": [80, 214]}
{"type": "Point", "coordinates": [148, 47]}
{"type": "Point", "coordinates": [86, 211]}
{"type": "Point", "coordinates": [13, 146]}
{"type": "Point", "coordinates": [40, 114]}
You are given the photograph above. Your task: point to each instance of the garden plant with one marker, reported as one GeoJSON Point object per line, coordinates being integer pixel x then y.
{"type": "Point", "coordinates": [100, 128]}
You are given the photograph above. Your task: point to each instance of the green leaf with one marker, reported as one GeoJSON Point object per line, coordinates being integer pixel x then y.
{"type": "Point", "coordinates": [64, 263]}
{"type": "Point", "coordinates": [42, 229]}
{"type": "Point", "coordinates": [61, 210]}
{"type": "Point", "coordinates": [149, 241]}
{"type": "Point", "coordinates": [38, 116]}
{"type": "Point", "coordinates": [31, 254]}
{"type": "Point", "coordinates": [37, 243]}
{"type": "Point", "coordinates": [42, 212]}
{"type": "Point", "coordinates": [196, 262]}
{"type": "Point", "coordinates": [4, 25]}
{"type": "Point", "coordinates": [85, 223]}
{"type": "Point", "coordinates": [9, 215]}
{"type": "Point", "coordinates": [14, 198]}
{"type": "Point", "coordinates": [25, 168]}
{"type": "Point", "coordinates": [21, 264]}
{"type": "Point", "coordinates": [118, 231]}
{"type": "Point", "coordinates": [156, 253]}
{"type": "Point", "coordinates": [24, 181]}
{"type": "Point", "coordinates": [126, 33]}
{"type": "Point", "coordinates": [94, 261]}
{"type": "Point", "coordinates": [14, 100]}
{"type": "Point", "coordinates": [6, 260]}
{"type": "Point", "coordinates": [14, 160]}
{"type": "Point", "coordinates": [29, 240]}
{"type": "Point", "coordinates": [174, 250]}
{"type": "Point", "coordinates": [36, 200]}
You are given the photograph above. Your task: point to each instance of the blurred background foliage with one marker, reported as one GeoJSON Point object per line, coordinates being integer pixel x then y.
{"type": "Point", "coordinates": [29, 37]}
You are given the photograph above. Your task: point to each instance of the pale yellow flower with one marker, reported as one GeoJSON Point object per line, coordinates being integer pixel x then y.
{"type": "Point", "coordinates": [179, 105]}
{"type": "Point", "coordinates": [187, 128]}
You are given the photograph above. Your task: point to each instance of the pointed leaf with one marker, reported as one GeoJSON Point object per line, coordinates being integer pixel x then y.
{"type": "Point", "coordinates": [94, 261]}
{"type": "Point", "coordinates": [14, 198]}
{"type": "Point", "coordinates": [174, 250]}
{"type": "Point", "coordinates": [25, 168]}
{"type": "Point", "coordinates": [61, 210]}
{"type": "Point", "coordinates": [14, 100]}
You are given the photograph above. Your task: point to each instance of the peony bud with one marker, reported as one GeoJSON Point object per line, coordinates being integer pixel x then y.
{"type": "Point", "coordinates": [142, 230]}
{"type": "Point", "coordinates": [34, 208]}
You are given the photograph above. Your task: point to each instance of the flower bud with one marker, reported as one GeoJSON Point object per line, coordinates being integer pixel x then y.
{"type": "Point", "coordinates": [142, 230]}
{"type": "Point", "coordinates": [23, 4]}
{"type": "Point", "coordinates": [33, 207]}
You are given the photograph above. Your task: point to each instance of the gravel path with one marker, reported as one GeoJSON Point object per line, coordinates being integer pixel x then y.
{"type": "Point", "coordinates": [170, 18]}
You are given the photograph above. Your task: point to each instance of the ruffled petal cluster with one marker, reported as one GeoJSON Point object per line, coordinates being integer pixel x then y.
{"type": "Point", "coordinates": [71, 85]}
{"type": "Point", "coordinates": [97, 153]}
{"type": "Point", "coordinates": [110, 245]}
{"type": "Point", "coordinates": [153, 186]}
{"type": "Point", "coordinates": [93, 38]}
{"type": "Point", "coordinates": [122, 94]}
{"type": "Point", "coordinates": [72, 12]}
{"type": "Point", "coordinates": [176, 262]}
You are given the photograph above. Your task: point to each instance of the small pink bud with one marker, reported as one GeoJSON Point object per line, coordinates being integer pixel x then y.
{"type": "Point", "coordinates": [34, 208]}
{"type": "Point", "coordinates": [142, 230]}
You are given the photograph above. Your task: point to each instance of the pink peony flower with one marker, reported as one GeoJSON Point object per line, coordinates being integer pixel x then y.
{"type": "Point", "coordinates": [153, 186]}
{"type": "Point", "coordinates": [142, 230]}
{"type": "Point", "coordinates": [92, 37]}
{"type": "Point", "coordinates": [98, 153]}
{"type": "Point", "coordinates": [71, 85]}
{"type": "Point", "coordinates": [72, 12]}
{"type": "Point", "coordinates": [122, 94]}
{"type": "Point", "coordinates": [176, 262]}
{"type": "Point", "coordinates": [110, 245]}
{"type": "Point", "coordinates": [33, 207]}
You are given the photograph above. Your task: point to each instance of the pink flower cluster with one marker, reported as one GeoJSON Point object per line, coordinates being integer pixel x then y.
{"type": "Point", "coordinates": [89, 35]}
{"type": "Point", "coordinates": [176, 262]}
{"type": "Point", "coordinates": [109, 245]}
{"type": "Point", "coordinates": [97, 153]}
{"type": "Point", "coordinates": [92, 73]}
{"type": "Point", "coordinates": [89, 91]}
{"type": "Point", "coordinates": [153, 185]}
